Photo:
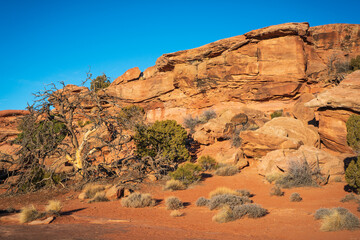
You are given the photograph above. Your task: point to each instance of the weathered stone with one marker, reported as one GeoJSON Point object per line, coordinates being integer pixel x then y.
{"type": "Point", "coordinates": [300, 111]}
{"type": "Point", "coordinates": [114, 192]}
{"type": "Point", "coordinates": [129, 75]}
{"type": "Point", "coordinates": [42, 221]}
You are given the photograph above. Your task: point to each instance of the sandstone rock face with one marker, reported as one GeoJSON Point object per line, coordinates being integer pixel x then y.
{"type": "Point", "coordinates": [129, 75]}
{"type": "Point", "coordinates": [300, 111]}
{"type": "Point", "coordinates": [336, 105]}
{"type": "Point", "coordinates": [274, 63]}
{"type": "Point", "coordinates": [279, 159]}
{"type": "Point", "coordinates": [279, 133]}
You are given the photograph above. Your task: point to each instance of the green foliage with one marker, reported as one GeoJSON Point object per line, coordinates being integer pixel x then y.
{"type": "Point", "coordinates": [131, 116]}
{"type": "Point", "coordinates": [164, 138]}
{"type": "Point", "coordinates": [187, 173]}
{"type": "Point", "coordinates": [355, 63]}
{"type": "Point", "coordinates": [352, 174]}
{"type": "Point", "coordinates": [277, 113]}
{"type": "Point", "coordinates": [207, 162]}
{"type": "Point", "coordinates": [39, 178]}
{"type": "Point", "coordinates": [100, 82]}
{"type": "Point", "coordinates": [353, 132]}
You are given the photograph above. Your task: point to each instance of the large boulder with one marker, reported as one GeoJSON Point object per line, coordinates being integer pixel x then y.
{"type": "Point", "coordinates": [277, 162]}
{"type": "Point", "coordinates": [335, 106]}
{"type": "Point", "coordinates": [279, 133]}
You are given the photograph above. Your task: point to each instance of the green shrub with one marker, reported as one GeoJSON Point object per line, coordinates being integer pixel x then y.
{"type": "Point", "coordinates": [173, 203]}
{"type": "Point", "coordinates": [353, 132]}
{"type": "Point", "coordinates": [352, 172]}
{"type": "Point", "coordinates": [191, 122]}
{"type": "Point", "coordinates": [100, 82]}
{"type": "Point", "coordinates": [355, 63]}
{"type": "Point", "coordinates": [227, 214]}
{"type": "Point", "coordinates": [351, 197]}
{"type": "Point", "coordinates": [165, 138]}
{"type": "Point", "coordinates": [277, 113]}
{"type": "Point", "coordinates": [207, 162]}
{"type": "Point", "coordinates": [187, 173]}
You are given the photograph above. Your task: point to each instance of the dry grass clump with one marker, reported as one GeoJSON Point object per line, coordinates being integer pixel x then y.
{"type": "Point", "coordinates": [54, 207]}
{"type": "Point", "coordinates": [173, 185]}
{"type": "Point", "coordinates": [298, 175]}
{"type": "Point", "coordinates": [91, 190]}
{"type": "Point", "coordinates": [202, 202]}
{"type": "Point", "coordinates": [138, 200]}
{"type": "Point", "coordinates": [99, 197]}
{"type": "Point", "coordinates": [227, 171]}
{"type": "Point", "coordinates": [295, 197]}
{"type": "Point", "coordinates": [29, 214]}
{"type": "Point", "coordinates": [176, 213]}
{"type": "Point", "coordinates": [244, 193]}
{"type": "Point", "coordinates": [227, 214]}
{"type": "Point", "coordinates": [173, 203]}
{"type": "Point", "coordinates": [227, 199]}
{"type": "Point", "coordinates": [276, 191]}
{"type": "Point", "coordinates": [351, 197]}
{"type": "Point", "coordinates": [222, 191]}
{"type": "Point", "coordinates": [336, 219]}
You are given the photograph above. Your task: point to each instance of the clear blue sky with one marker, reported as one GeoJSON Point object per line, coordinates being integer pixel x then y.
{"type": "Point", "coordinates": [57, 40]}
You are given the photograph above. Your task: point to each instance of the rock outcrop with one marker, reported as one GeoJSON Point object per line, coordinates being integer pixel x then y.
{"type": "Point", "coordinates": [279, 133]}
{"type": "Point", "coordinates": [335, 106]}
{"type": "Point", "coordinates": [274, 63]}
{"type": "Point", "coordinates": [277, 162]}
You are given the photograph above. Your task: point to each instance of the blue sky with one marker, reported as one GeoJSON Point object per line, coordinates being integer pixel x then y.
{"type": "Point", "coordinates": [51, 41]}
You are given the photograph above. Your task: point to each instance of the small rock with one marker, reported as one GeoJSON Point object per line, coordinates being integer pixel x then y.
{"type": "Point", "coordinates": [81, 196]}
{"type": "Point", "coordinates": [40, 222]}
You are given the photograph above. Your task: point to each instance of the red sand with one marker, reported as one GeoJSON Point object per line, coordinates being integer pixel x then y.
{"type": "Point", "coordinates": [286, 220]}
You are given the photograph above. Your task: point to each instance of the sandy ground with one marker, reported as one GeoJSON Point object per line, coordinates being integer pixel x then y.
{"type": "Point", "coordinates": [286, 220]}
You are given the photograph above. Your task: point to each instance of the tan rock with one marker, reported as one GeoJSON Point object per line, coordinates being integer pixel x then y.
{"type": "Point", "coordinates": [300, 111]}
{"type": "Point", "coordinates": [42, 221]}
{"type": "Point", "coordinates": [129, 75]}
{"type": "Point", "coordinates": [279, 31]}
{"type": "Point", "coordinates": [278, 161]}
{"type": "Point", "coordinates": [336, 105]}
{"type": "Point", "coordinates": [114, 192]}
{"type": "Point", "coordinates": [279, 133]}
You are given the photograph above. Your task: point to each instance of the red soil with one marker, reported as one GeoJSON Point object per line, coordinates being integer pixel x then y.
{"type": "Point", "coordinates": [286, 220]}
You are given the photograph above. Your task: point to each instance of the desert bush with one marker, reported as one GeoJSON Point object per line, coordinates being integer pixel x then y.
{"type": "Point", "coordinates": [207, 115]}
{"type": "Point", "coordinates": [276, 191]}
{"type": "Point", "coordinates": [90, 190]}
{"type": "Point", "coordinates": [277, 113]}
{"type": "Point", "coordinates": [165, 138]}
{"type": "Point", "coordinates": [173, 203]}
{"type": "Point", "coordinates": [295, 197]}
{"type": "Point", "coordinates": [352, 172]}
{"type": "Point", "coordinates": [224, 215]}
{"type": "Point", "coordinates": [223, 190]}
{"type": "Point", "coordinates": [191, 122]}
{"type": "Point", "coordinates": [351, 197]}
{"type": "Point", "coordinates": [273, 177]}
{"type": "Point", "coordinates": [298, 175]}
{"type": "Point", "coordinates": [227, 199]}
{"type": "Point", "coordinates": [336, 219]}
{"type": "Point", "coordinates": [244, 192]}
{"type": "Point", "coordinates": [99, 197]}
{"type": "Point", "coordinates": [202, 202]}
{"type": "Point", "coordinates": [29, 214]}
{"type": "Point", "coordinates": [227, 214]}
{"type": "Point", "coordinates": [138, 200]}
{"type": "Point", "coordinates": [176, 213]}
{"type": "Point", "coordinates": [54, 207]}
{"type": "Point", "coordinates": [100, 82]}
{"type": "Point", "coordinates": [249, 209]}
{"type": "Point", "coordinates": [131, 116]}
{"type": "Point", "coordinates": [173, 185]}
{"type": "Point", "coordinates": [228, 170]}
{"type": "Point", "coordinates": [207, 163]}
{"type": "Point", "coordinates": [355, 63]}
{"type": "Point", "coordinates": [187, 173]}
